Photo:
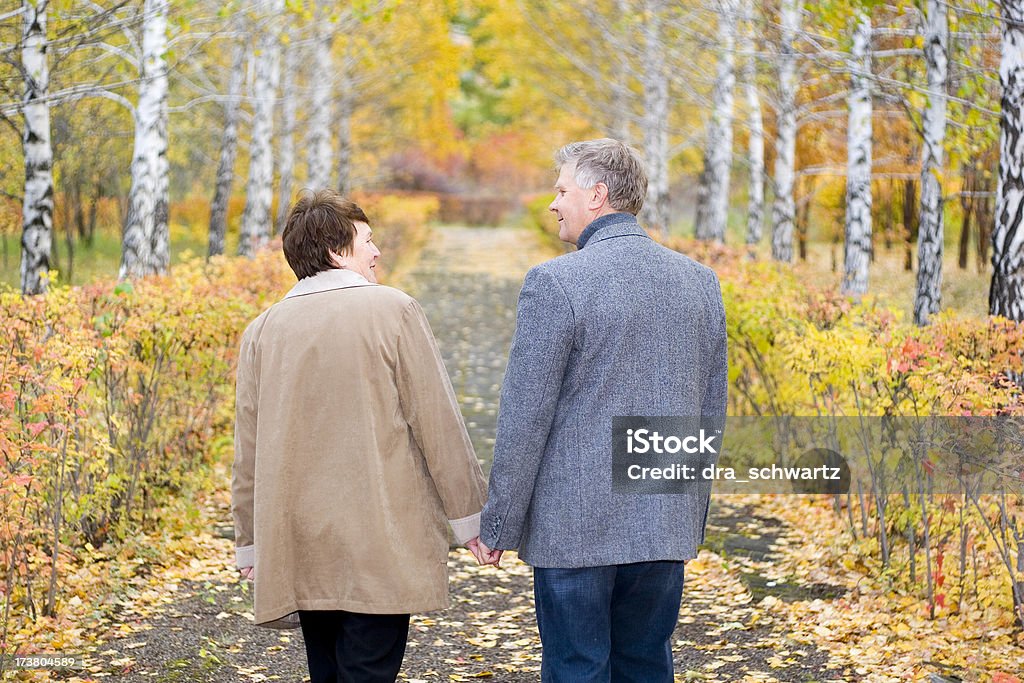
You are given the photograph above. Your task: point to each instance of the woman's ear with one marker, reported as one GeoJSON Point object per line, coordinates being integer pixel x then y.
{"type": "Point", "coordinates": [337, 259]}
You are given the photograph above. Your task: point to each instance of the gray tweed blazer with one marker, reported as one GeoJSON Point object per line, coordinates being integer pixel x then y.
{"type": "Point", "coordinates": [623, 326]}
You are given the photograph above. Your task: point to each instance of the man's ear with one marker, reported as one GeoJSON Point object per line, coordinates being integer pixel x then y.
{"type": "Point", "coordinates": [598, 196]}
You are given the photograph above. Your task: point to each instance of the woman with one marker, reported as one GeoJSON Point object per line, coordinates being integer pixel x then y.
{"type": "Point", "coordinates": [350, 454]}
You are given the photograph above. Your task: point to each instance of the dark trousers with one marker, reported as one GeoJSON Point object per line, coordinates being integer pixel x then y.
{"type": "Point", "coordinates": [609, 624]}
{"type": "Point", "coordinates": [345, 647]}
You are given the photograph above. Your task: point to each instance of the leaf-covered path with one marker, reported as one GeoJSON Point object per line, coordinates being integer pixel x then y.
{"type": "Point", "coordinates": [193, 622]}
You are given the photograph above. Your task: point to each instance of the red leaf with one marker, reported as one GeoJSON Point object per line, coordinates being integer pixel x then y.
{"type": "Point", "coordinates": [34, 428]}
{"type": "Point", "coordinates": [1000, 677]}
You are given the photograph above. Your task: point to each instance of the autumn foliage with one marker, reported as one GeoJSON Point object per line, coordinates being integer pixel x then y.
{"type": "Point", "coordinates": [798, 350]}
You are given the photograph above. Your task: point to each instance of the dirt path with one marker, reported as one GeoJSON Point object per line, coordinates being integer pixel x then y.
{"type": "Point", "coordinates": [468, 281]}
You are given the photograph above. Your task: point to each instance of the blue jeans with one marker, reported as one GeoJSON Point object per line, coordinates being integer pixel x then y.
{"type": "Point", "coordinates": [610, 624]}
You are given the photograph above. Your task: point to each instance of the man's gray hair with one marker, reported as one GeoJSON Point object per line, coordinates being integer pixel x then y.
{"type": "Point", "coordinates": [613, 163]}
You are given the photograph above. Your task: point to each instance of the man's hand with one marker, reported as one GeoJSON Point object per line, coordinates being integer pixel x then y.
{"type": "Point", "coordinates": [483, 554]}
{"type": "Point", "coordinates": [248, 573]}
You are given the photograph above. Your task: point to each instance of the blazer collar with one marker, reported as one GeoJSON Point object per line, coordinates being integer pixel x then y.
{"type": "Point", "coordinates": [326, 280]}
{"type": "Point", "coordinates": [608, 226]}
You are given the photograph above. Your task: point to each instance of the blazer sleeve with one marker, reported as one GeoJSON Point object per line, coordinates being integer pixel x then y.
{"type": "Point", "coordinates": [430, 408]}
{"type": "Point", "coordinates": [717, 384]}
{"type": "Point", "coordinates": [243, 468]}
{"type": "Point", "coordinates": [529, 395]}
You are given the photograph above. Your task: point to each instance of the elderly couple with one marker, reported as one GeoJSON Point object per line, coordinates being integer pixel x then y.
{"type": "Point", "coordinates": [351, 453]}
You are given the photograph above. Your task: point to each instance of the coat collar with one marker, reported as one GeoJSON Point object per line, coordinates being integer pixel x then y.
{"type": "Point", "coordinates": [326, 280]}
{"type": "Point", "coordinates": [610, 225]}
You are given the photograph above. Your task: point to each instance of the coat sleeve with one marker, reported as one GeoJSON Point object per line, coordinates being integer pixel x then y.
{"type": "Point", "coordinates": [430, 408]}
{"type": "Point", "coordinates": [529, 395]}
{"type": "Point", "coordinates": [243, 468]}
{"type": "Point", "coordinates": [716, 389]}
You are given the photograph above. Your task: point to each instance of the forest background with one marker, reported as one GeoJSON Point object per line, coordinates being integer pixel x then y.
{"type": "Point", "coordinates": [817, 155]}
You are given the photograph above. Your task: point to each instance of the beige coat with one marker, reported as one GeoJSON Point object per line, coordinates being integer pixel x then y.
{"type": "Point", "coordinates": [350, 454]}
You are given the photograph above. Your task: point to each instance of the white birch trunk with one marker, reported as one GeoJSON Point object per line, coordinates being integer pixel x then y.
{"type": "Point", "coordinates": [1006, 296]}
{"type": "Point", "coordinates": [318, 141]}
{"type": "Point", "coordinates": [857, 252]}
{"type": "Point", "coordinates": [655, 119]}
{"type": "Point", "coordinates": [286, 145]}
{"type": "Point", "coordinates": [145, 242]}
{"type": "Point", "coordinates": [228, 151]}
{"type": "Point", "coordinates": [622, 97]}
{"type": "Point", "coordinates": [259, 190]}
{"type": "Point", "coordinates": [784, 208]}
{"type": "Point", "coordinates": [713, 192]}
{"type": "Point", "coordinates": [346, 107]}
{"type": "Point", "coordinates": [928, 296]}
{"type": "Point", "coordinates": [755, 122]}
{"type": "Point", "coordinates": [37, 202]}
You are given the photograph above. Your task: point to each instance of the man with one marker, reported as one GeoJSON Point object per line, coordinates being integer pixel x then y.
{"type": "Point", "coordinates": [350, 454]}
{"type": "Point", "coordinates": [620, 327]}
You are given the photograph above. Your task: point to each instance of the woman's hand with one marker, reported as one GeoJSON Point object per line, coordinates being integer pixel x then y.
{"type": "Point", "coordinates": [248, 573]}
{"type": "Point", "coordinates": [483, 554]}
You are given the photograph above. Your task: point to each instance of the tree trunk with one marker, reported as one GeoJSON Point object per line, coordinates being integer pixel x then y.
{"type": "Point", "coordinates": [802, 222]}
{"type": "Point", "coordinates": [319, 140]}
{"type": "Point", "coordinates": [909, 222]}
{"type": "Point", "coordinates": [984, 220]}
{"type": "Point", "coordinates": [967, 200]}
{"type": "Point", "coordinates": [857, 253]}
{"type": "Point", "coordinates": [783, 208]}
{"type": "Point", "coordinates": [755, 199]}
{"type": "Point", "coordinates": [37, 205]}
{"type": "Point", "coordinates": [286, 146]}
{"type": "Point", "coordinates": [145, 241]}
{"type": "Point", "coordinates": [228, 150]}
{"type": "Point", "coordinates": [713, 193]}
{"type": "Point", "coordinates": [93, 205]}
{"type": "Point", "coordinates": [259, 190]}
{"type": "Point", "coordinates": [655, 87]}
{"type": "Point", "coordinates": [928, 296]}
{"type": "Point", "coordinates": [622, 97]}
{"type": "Point", "coordinates": [346, 107]}
{"type": "Point", "coordinates": [1006, 295]}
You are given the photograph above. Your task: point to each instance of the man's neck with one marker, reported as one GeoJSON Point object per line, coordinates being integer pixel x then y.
{"type": "Point", "coordinates": [598, 223]}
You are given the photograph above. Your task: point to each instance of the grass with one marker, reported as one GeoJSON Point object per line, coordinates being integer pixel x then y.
{"type": "Point", "coordinates": [103, 258]}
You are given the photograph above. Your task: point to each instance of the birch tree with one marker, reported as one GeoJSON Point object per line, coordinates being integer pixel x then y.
{"type": "Point", "coordinates": [37, 203]}
{"type": "Point", "coordinates": [857, 251]}
{"type": "Point", "coordinates": [655, 118]}
{"type": "Point", "coordinates": [286, 142]}
{"type": "Point", "coordinates": [621, 94]}
{"type": "Point", "coordinates": [145, 241]}
{"type": "Point", "coordinates": [1006, 295]}
{"type": "Point", "coordinates": [228, 151]}
{"type": "Point", "coordinates": [318, 142]}
{"type": "Point", "coordinates": [783, 207]}
{"type": "Point", "coordinates": [259, 191]}
{"type": "Point", "coordinates": [346, 109]}
{"type": "Point", "coordinates": [928, 296]}
{"type": "Point", "coordinates": [713, 192]}
{"type": "Point", "coordinates": [755, 145]}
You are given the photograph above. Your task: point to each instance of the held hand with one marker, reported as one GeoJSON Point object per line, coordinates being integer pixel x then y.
{"type": "Point", "coordinates": [474, 547]}
{"type": "Point", "coordinates": [248, 573]}
{"type": "Point", "coordinates": [491, 556]}
{"type": "Point", "coordinates": [482, 553]}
